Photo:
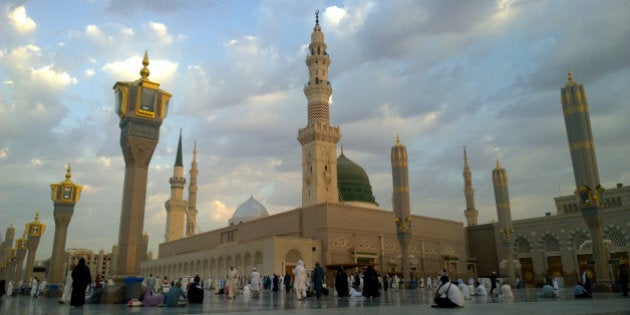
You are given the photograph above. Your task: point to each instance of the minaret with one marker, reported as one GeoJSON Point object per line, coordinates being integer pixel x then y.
{"type": "Point", "coordinates": [65, 195]}
{"type": "Point", "coordinates": [502, 199]}
{"type": "Point", "coordinates": [191, 224]}
{"type": "Point", "coordinates": [582, 148]}
{"type": "Point", "coordinates": [141, 106]}
{"type": "Point", "coordinates": [318, 138]}
{"type": "Point", "coordinates": [401, 205]}
{"type": "Point", "coordinates": [35, 230]}
{"type": "Point", "coordinates": [176, 207]}
{"type": "Point", "coordinates": [471, 212]}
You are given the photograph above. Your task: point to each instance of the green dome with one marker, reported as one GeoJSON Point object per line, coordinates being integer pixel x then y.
{"type": "Point", "coordinates": [353, 182]}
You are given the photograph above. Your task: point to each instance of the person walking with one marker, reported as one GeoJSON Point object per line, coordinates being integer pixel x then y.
{"type": "Point", "coordinates": [341, 283]}
{"type": "Point", "coordinates": [623, 279]}
{"type": "Point", "coordinates": [299, 282]}
{"type": "Point", "coordinates": [81, 278]}
{"type": "Point", "coordinates": [370, 283]}
{"type": "Point", "coordinates": [318, 280]}
{"type": "Point", "coordinates": [233, 279]}
{"type": "Point", "coordinates": [255, 282]}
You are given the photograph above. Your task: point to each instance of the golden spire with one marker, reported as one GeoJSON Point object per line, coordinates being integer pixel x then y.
{"type": "Point", "coordinates": [68, 169]}
{"type": "Point", "coordinates": [36, 215]}
{"type": "Point", "coordinates": [144, 72]}
{"type": "Point", "coordinates": [498, 165]}
{"type": "Point", "coordinates": [570, 76]}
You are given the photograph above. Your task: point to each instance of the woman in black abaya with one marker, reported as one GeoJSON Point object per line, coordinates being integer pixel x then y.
{"type": "Point", "coordinates": [81, 278]}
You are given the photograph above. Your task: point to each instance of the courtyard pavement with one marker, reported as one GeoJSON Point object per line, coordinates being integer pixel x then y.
{"type": "Point", "coordinates": [392, 302]}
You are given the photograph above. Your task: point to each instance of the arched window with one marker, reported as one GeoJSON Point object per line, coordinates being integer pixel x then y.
{"type": "Point", "coordinates": [550, 243]}
{"type": "Point", "coordinates": [292, 256]}
{"type": "Point", "coordinates": [615, 235]}
{"type": "Point", "coordinates": [578, 238]}
{"type": "Point", "coordinates": [523, 246]}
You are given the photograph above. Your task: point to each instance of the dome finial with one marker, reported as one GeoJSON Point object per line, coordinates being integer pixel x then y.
{"type": "Point", "coordinates": [398, 139]}
{"type": "Point", "coordinates": [498, 165]}
{"type": "Point", "coordinates": [342, 149]}
{"type": "Point", "coordinates": [316, 17]}
{"type": "Point", "coordinates": [570, 76]}
{"type": "Point", "coordinates": [68, 169]}
{"type": "Point", "coordinates": [144, 72]}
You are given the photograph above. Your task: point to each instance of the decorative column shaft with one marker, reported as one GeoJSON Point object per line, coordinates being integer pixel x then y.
{"type": "Point", "coordinates": [35, 230]}
{"type": "Point", "coordinates": [64, 196]}
{"type": "Point", "coordinates": [141, 107]}
{"type": "Point", "coordinates": [401, 205]}
{"type": "Point", "coordinates": [589, 192]}
{"type": "Point", "coordinates": [502, 198]}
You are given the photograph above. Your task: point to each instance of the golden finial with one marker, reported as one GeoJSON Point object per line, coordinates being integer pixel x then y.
{"type": "Point", "coordinates": [36, 215]}
{"type": "Point", "coordinates": [498, 165]}
{"type": "Point", "coordinates": [144, 72]}
{"type": "Point", "coordinates": [570, 76]}
{"type": "Point", "coordinates": [397, 139]}
{"type": "Point", "coordinates": [68, 169]}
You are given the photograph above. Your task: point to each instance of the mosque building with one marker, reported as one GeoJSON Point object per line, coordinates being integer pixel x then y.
{"type": "Point", "coordinates": [340, 224]}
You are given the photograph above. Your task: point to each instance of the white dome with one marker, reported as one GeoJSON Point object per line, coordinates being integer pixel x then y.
{"type": "Point", "coordinates": [248, 211]}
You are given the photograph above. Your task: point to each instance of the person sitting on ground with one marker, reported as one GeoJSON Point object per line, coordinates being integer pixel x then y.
{"type": "Point", "coordinates": [173, 296]}
{"type": "Point", "coordinates": [480, 289]}
{"type": "Point", "coordinates": [506, 291]}
{"type": "Point", "coordinates": [579, 291]}
{"type": "Point", "coordinates": [463, 288]}
{"type": "Point", "coordinates": [448, 295]}
{"type": "Point", "coordinates": [151, 300]}
{"type": "Point", "coordinates": [547, 292]}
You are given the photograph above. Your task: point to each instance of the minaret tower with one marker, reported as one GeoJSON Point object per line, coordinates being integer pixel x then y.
{"type": "Point", "coordinates": [176, 207]}
{"type": "Point", "coordinates": [504, 213]}
{"type": "Point", "coordinates": [471, 212]}
{"type": "Point", "coordinates": [582, 148]}
{"type": "Point", "coordinates": [65, 195]}
{"type": "Point", "coordinates": [401, 205]}
{"type": "Point", "coordinates": [191, 224]}
{"type": "Point", "coordinates": [35, 230]}
{"type": "Point", "coordinates": [141, 106]}
{"type": "Point", "coordinates": [318, 138]}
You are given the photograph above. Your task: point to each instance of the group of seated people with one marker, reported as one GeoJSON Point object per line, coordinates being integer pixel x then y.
{"type": "Point", "coordinates": [174, 297]}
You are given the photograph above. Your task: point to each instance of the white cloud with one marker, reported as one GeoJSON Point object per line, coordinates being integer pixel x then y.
{"type": "Point", "coordinates": [20, 21]}
{"type": "Point", "coordinates": [36, 162]}
{"type": "Point", "coordinates": [127, 70]}
{"type": "Point", "coordinates": [161, 31]}
{"type": "Point", "coordinates": [333, 15]}
{"type": "Point", "coordinates": [89, 72]}
{"type": "Point", "coordinates": [4, 152]}
{"type": "Point", "coordinates": [53, 78]}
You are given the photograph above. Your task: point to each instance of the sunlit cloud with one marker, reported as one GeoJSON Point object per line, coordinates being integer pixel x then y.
{"type": "Point", "coordinates": [20, 21]}
{"type": "Point", "coordinates": [129, 69]}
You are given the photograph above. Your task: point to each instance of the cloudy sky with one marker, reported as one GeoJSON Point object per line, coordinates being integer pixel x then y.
{"type": "Point", "coordinates": [442, 74]}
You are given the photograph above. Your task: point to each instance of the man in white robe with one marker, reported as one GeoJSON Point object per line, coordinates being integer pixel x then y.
{"type": "Point", "coordinates": [299, 282]}
{"type": "Point", "coordinates": [255, 282]}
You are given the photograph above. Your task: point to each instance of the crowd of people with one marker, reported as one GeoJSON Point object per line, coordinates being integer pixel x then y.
{"type": "Point", "coordinates": [79, 288]}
